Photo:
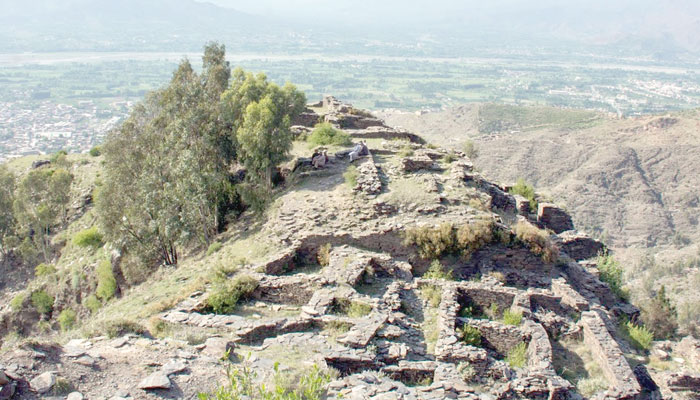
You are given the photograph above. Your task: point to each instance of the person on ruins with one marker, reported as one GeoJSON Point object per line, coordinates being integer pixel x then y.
{"type": "Point", "coordinates": [365, 149]}
{"type": "Point", "coordinates": [320, 160]}
{"type": "Point", "coordinates": [356, 152]}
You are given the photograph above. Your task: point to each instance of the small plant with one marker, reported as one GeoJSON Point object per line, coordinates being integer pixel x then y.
{"type": "Point", "coordinates": [517, 356]}
{"type": "Point", "coordinates": [44, 270]}
{"type": "Point", "coordinates": [62, 387]}
{"type": "Point", "coordinates": [350, 176]}
{"type": "Point", "coordinates": [469, 335]}
{"type": "Point", "coordinates": [450, 157]}
{"type": "Point", "coordinates": [67, 319]}
{"type": "Point", "coordinates": [92, 303]}
{"type": "Point", "coordinates": [353, 309]}
{"type": "Point", "coordinates": [214, 247]}
{"type": "Point", "coordinates": [493, 312]}
{"type": "Point", "coordinates": [18, 301]}
{"type": "Point", "coordinates": [640, 336]}
{"type": "Point", "coordinates": [335, 328]}
{"type": "Point", "coordinates": [467, 311]}
{"type": "Point", "coordinates": [42, 302]}
{"type": "Point", "coordinates": [324, 255]}
{"type": "Point", "coordinates": [226, 295]}
{"type": "Point", "coordinates": [121, 327]}
{"type": "Point", "coordinates": [610, 272]}
{"type": "Point", "coordinates": [325, 134]}
{"type": "Point", "coordinates": [466, 371]}
{"type": "Point", "coordinates": [106, 283]}
{"type": "Point", "coordinates": [406, 151]}
{"type": "Point", "coordinates": [95, 151]}
{"type": "Point", "coordinates": [498, 275]}
{"type": "Point", "coordinates": [523, 189]}
{"type": "Point", "coordinates": [512, 318]}
{"type": "Point", "coordinates": [537, 240]}
{"type": "Point", "coordinates": [432, 294]}
{"type": "Point", "coordinates": [660, 316]}
{"type": "Point", "coordinates": [470, 149]}
{"type": "Point", "coordinates": [88, 238]}
{"type": "Point", "coordinates": [432, 242]}
{"type": "Point", "coordinates": [471, 237]}
{"type": "Point", "coordinates": [438, 271]}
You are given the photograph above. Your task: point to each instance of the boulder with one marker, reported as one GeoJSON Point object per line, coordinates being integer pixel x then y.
{"type": "Point", "coordinates": [579, 246]}
{"type": "Point", "coordinates": [43, 383]}
{"type": "Point", "coordinates": [553, 217]}
{"type": "Point", "coordinates": [157, 380]}
{"type": "Point", "coordinates": [75, 396]}
{"type": "Point", "coordinates": [217, 347]}
{"type": "Point", "coordinates": [173, 367]}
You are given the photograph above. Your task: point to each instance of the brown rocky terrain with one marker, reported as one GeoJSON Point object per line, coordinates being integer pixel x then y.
{"type": "Point", "coordinates": [407, 274]}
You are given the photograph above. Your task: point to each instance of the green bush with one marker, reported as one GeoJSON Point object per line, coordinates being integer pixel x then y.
{"type": "Point", "coordinates": [469, 335]}
{"type": "Point", "coordinates": [225, 295]}
{"type": "Point", "coordinates": [438, 271]}
{"type": "Point", "coordinates": [450, 157]}
{"type": "Point", "coordinates": [214, 247]}
{"type": "Point", "coordinates": [88, 238]}
{"type": "Point", "coordinates": [44, 270]}
{"type": "Point", "coordinates": [350, 176]}
{"type": "Point", "coordinates": [353, 309]}
{"type": "Point", "coordinates": [406, 150]}
{"type": "Point", "coordinates": [66, 319]}
{"type": "Point", "coordinates": [640, 336]}
{"type": "Point", "coordinates": [106, 283]}
{"type": "Point", "coordinates": [42, 301]}
{"type": "Point", "coordinates": [610, 272]}
{"type": "Point", "coordinates": [523, 189]}
{"type": "Point", "coordinates": [324, 134]}
{"type": "Point", "coordinates": [18, 301]}
{"type": "Point", "coordinates": [537, 240]}
{"type": "Point", "coordinates": [512, 318]}
{"type": "Point", "coordinates": [92, 303]}
{"type": "Point", "coordinates": [434, 242]}
{"type": "Point", "coordinates": [96, 151]}
{"type": "Point", "coordinates": [517, 356]}
{"type": "Point", "coordinates": [660, 316]}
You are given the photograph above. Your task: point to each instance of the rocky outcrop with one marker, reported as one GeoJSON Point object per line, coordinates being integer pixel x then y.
{"type": "Point", "coordinates": [553, 217]}
{"type": "Point", "coordinates": [578, 246]}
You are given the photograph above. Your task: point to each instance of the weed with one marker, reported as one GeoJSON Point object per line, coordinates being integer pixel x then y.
{"type": "Point", "coordinates": [95, 151]}
{"type": "Point", "coordinates": [517, 356]}
{"type": "Point", "coordinates": [471, 237]}
{"type": "Point", "coordinates": [512, 318]}
{"type": "Point", "coordinates": [493, 312]}
{"type": "Point", "coordinates": [62, 387]}
{"type": "Point", "coordinates": [640, 336]}
{"type": "Point", "coordinates": [226, 295]}
{"type": "Point", "coordinates": [353, 309]}
{"type": "Point", "coordinates": [214, 247]}
{"type": "Point", "coordinates": [466, 371]}
{"type": "Point", "coordinates": [120, 327]}
{"type": "Point", "coordinates": [469, 335]}
{"type": "Point", "coordinates": [470, 149]}
{"type": "Point", "coordinates": [432, 242]}
{"type": "Point", "coordinates": [450, 157]}
{"type": "Point", "coordinates": [350, 176]}
{"type": "Point", "coordinates": [42, 301]}
{"type": "Point", "coordinates": [432, 294]}
{"type": "Point", "coordinates": [336, 328]}
{"type": "Point", "coordinates": [106, 283]}
{"type": "Point", "coordinates": [92, 303]}
{"type": "Point", "coordinates": [523, 189]}
{"type": "Point", "coordinates": [67, 319]}
{"type": "Point", "coordinates": [537, 240]}
{"type": "Point", "coordinates": [18, 301]}
{"type": "Point", "coordinates": [406, 151]}
{"type": "Point", "coordinates": [88, 238]}
{"type": "Point", "coordinates": [438, 271]}
{"type": "Point", "coordinates": [324, 255]}
{"type": "Point", "coordinates": [610, 272]}
{"type": "Point", "coordinates": [44, 270]}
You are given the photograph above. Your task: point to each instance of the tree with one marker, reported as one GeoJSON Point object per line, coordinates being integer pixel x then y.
{"type": "Point", "coordinates": [659, 315]}
{"type": "Point", "coordinates": [7, 217]}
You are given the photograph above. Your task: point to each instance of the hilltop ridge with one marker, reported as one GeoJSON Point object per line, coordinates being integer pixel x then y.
{"type": "Point", "coordinates": [407, 272]}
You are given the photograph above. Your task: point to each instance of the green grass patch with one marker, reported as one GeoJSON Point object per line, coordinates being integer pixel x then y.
{"type": "Point", "coordinates": [512, 318]}
{"type": "Point", "coordinates": [227, 294]}
{"type": "Point", "coordinates": [351, 176]}
{"type": "Point", "coordinates": [639, 336]}
{"type": "Point", "coordinates": [67, 319]}
{"type": "Point", "coordinates": [42, 301]}
{"type": "Point", "coordinates": [44, 270]}
{"type": "Point", "coordinates": [438, 271]}
{"type": "Point", "coordinates": [214, 247]}
{"type": "Point", "coordinates": [92, 303]}
{"type": "Point", "coordinates": [610, 272]}
{"type": "Point", "coordinates": [517, 356]}
{"type": "Point", "coordinates": [18, 301]}
{"type": "Point", "coordinates": [90, 237]}
{"type": "Point", "coordinates": [353, 309]}
{"type": "Point", "coordinates": [106, 283]}
{"type": "Point", "coordinates": [469, 335]}
{"type": "Point", "coordinates": [432, 294]}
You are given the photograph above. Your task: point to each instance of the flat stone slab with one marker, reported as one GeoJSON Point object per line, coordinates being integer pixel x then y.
{"type": "Point", "coordinates": [157, 380]}
{"type": "Point", "coordinates": [362, 333]}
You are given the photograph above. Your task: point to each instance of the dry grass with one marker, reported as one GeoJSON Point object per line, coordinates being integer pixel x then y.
{"type": "Point", "coordinates": [537, 240]}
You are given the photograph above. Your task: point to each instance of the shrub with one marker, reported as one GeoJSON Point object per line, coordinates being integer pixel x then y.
{"type": "Point", "coordinates": [406, 151]}
{"type": "Point", "coordinates": [92, 303]}
{"type": "Point", "coordinates": [640, 336]}
{"type": "Point", "coordinates": [470, 149]}
{"type": "Point", "coordinates": [467, 371]}
{"type": "Point", "coordinates": [469, 335]}
{"type": "Point", "coordinates": [213, 248]}
{"type": "Point", "coordinates": [44, 270]}
{"type": "Point", "coordinates": [350, 176]}
{"type": "Point", "coordinates": [512, 318]}
{"type": "Point", "coordinates": [471, 237]}
{"type": "Point", "coordinates": [438, 271]}
{"type": "Point", "coordinates": [18, 301]}
{"type": "Point", "coordinates": [432, 294]}
{"type": "Point", "coordinates": [121, 327]}
{"type": "Point", "coordinates": [432, 242]}
{"type": "Point", "coordinates": [610, 272]}
{"type": "Point", "coordinates": [66, 319]}
{"type": "Point", "coordinates": [659, 316]}
{"type": "Point", "coordinates": [537, 240]}
{"type": "Point", "coordinates": [450, 157]}
{"type": "Point", "coordinates": [88, 238]}
{"type": "Point", "coordinates": [42, 301]}
{"type": "Point", "coordinates": [62, 387]}
{"type": "Point", "coordinates": [106, 283]}
{"type": "Point", "coordinates": [324, 134]}
{"type": "Point", "coordinates": [324, 255]}
{"type": "Point", "coordinates": [517, 356]}
{"type": "Point", "coordinates": [226, 295]}
{"type": "Point", "coordinates": [523, 189]}
{"type": "Point", "coordinates": [96, 151]}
